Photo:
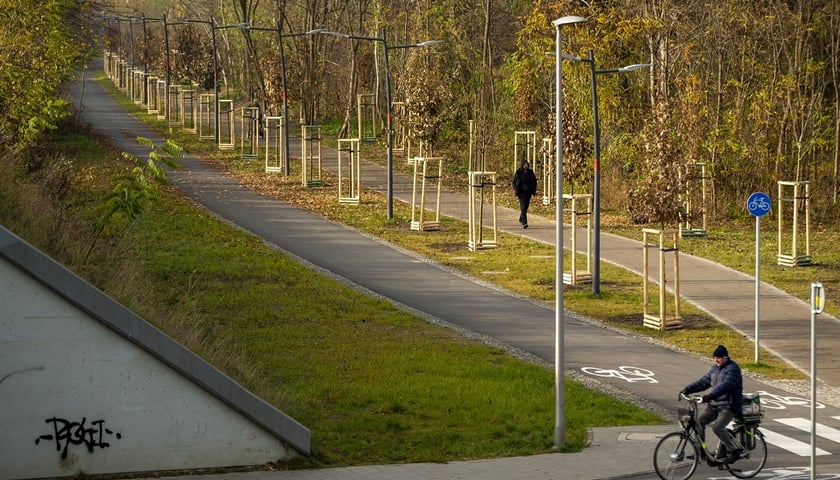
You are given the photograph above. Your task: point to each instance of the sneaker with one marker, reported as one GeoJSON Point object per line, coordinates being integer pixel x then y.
{"type": "Point", "coordinates": [524, 225]}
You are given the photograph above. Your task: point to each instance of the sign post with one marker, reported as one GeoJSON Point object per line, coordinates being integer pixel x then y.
{"type": "Point", "coordinates": [817, 307]}
{"type": "Point", "coordinates": [758, 205]}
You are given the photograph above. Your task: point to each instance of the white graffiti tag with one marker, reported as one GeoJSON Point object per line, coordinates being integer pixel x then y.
{"type": "Point", "coordinates": [624, 372]}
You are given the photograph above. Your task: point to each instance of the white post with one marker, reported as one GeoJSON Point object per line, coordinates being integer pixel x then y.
{"type": "Point", "coordinates": [817, 306]}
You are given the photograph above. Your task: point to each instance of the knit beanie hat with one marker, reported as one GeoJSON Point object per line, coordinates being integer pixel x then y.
{"type": "Point", "coordinates": [720, 351]}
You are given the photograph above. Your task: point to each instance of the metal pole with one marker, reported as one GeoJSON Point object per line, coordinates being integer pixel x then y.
{"type": "Point", "coordinates": [168, 68]}
{"type": "Point", "coordinates": [286, 167]}
{"type": "Point", "coordinates": [757, 282]}
{"type": "Point", "coordinates": [560, 398]}
{"type": "Point", "coordinates": [596, 181]}
{"type": "Point", "coordinates": [813, 382]}
{"type": "Point", "coordinates": [215, 83]}
{"type": "Point", "coordinates": [817, 306]}
{"type": "Point", "coordinates": [389, 131]}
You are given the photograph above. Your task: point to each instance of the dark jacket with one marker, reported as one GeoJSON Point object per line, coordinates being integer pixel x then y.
{"type": "Point", "coordinates": [726, 384]}
{"type": "Point", "coordinates": [524, 182]}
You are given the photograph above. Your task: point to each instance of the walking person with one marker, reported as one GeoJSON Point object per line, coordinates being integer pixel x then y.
{"type": "Point", "coordinates": [524, 187]}
{"type": "Point", "coordinates": [723, 402]}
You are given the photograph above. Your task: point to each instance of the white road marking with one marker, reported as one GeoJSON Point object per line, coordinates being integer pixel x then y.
{"type": "Point", "coordinates": [804, 424]}
{"type": "Point", "coordinates": [790, 444]}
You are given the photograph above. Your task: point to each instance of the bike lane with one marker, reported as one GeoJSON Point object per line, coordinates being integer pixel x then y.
{"type": "Point", "coordinates": [658, 376]}
{"type": "Point", "coordinates": [637, 366]}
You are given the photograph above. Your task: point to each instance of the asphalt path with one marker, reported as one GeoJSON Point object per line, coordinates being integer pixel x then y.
{"type": "Point", "coordinates": [629, 364]}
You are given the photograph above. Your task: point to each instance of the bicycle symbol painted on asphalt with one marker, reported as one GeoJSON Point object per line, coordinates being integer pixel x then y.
{"type": "Point", "coordinates": [778, 402]}
{"type": "Point", "coordinates": [624, 372]}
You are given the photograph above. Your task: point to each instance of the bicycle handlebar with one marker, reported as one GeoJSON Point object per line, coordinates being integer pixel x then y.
{"type": "Point", "coordinates": [689, 398]}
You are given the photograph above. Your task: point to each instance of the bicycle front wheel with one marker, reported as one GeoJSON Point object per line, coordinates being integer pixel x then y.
{"type": "Point", "coordinates": [755, 456]}
{"type": "Point", "coordinates": [675, 457]}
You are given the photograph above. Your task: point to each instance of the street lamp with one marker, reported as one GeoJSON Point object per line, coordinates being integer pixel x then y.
{"type": "Point", "coordinates": [213, 28]}
{"type": "Point", "coordinates": [559, 351]}
{"type": "Point", "coordinates": [388, 106]}
{"type": "Point", "coordinates": [596, 167]}
{"type": "Point", "coordinates": [281, 36]}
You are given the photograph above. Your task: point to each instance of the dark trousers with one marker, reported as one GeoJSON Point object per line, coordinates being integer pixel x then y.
{"type": "Point", "coordinates": [524, 203]}
{"type": "Point", "coordinates": [719, 419]}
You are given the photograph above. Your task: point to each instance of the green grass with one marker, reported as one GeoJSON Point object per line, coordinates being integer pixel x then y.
{"type": "Point", "coordinates": [372, 382]}
{"type": "Point", "coordinates": [527, 270]}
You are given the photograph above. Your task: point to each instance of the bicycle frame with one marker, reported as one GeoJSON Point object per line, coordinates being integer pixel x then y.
{"type": "Point", "coordinates": [678, 454]}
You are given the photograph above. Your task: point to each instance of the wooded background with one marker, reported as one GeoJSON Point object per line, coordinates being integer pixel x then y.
{"type": "Point", "coordinates": [751, 88]}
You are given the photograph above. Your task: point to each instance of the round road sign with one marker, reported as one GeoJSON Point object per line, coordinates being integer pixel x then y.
{"type": "Point", "coordinates": [758, 204]}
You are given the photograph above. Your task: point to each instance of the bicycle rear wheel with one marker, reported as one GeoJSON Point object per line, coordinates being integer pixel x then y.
{"type": "Point", "coordinates": [675, 457]}
{"type": "Point", "coordinates": [755, 449]}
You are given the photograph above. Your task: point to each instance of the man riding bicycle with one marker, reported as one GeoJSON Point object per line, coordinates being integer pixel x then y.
{"type": "Point", "coordinates": [723, 402]}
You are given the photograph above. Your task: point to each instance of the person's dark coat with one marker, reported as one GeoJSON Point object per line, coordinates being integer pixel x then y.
{"type": "Point", "coordinates": [524, 182]}
{"type": "Point", "coordinates": [726, 384]}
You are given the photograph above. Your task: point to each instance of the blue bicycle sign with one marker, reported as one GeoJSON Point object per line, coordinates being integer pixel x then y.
{"type": "Point", "coordinates": [758, 204]}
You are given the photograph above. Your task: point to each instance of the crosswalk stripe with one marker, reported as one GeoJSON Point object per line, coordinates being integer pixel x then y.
{"type": "Point", "coordinates": [790, 444]}
{"type": "Point", "coordinates": [804, 424]}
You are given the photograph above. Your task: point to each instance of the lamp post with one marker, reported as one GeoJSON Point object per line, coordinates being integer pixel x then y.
{"type": "Point", "coordinates": [213, 28]}
{"type": "Point", "coordinates": [559, 351]}
{"type": "Point", "coordinates": [146, 52]}
{"type": "Point", "coordinates": [285, 93]}
{"type": "Point", "coordinates": [596, 165]}
{"type": "Point", "coordinates": [388, 106]}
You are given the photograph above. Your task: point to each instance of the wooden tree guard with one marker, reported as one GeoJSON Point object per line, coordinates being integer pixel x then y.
{"type": "Point", "coordinates": [424, 151]}
{"type": "Point", "coordinates": [189, 111]}
{"type": "Point", "coordinates": [349, 171]}
{"type": "Point", "coordinates": [310, 152]}
{"type": "Point", "coordinates": [125, 77]}
{"type": "Point", "coordinates": [176, 106]}
{"type": "Point", "coordinates": [547, 170]}
{"type": "Point", "coordinates": [524, 148]}
{"type": "Point", "coordinates": [399, 111]}
{"type": "Point", "coordinates": [152, 106]}
{"type": "Point", "coordinates": [275, 153]}
{"type": "Point", "coordinates": [801, 197]}
{"type": "Point", "coordinates": [690, 202]}
{"type": "Point", "coordinates": [250, 132]}
{"type": "Point", "coordinates": [366, 116]}
{"type": "Point", "coordinates": [423, 176]}
{"type": "Point", "coordinates": [123, 74]}
{"type": "Point", "coordinates": [482, 236]}
{"type": "Point", "coordinates": [110, 59]}
{"type": "Point", "coordinates": [662, 321]}
{"type": "Point", "coordinates": [162, 105]}
{"type": "Point", "coordinates": [206, 116]}
{"type": "Point", "coordinates": [138, 87]}
{"type": "Point", "coordinates": [575, 275]}
{"type": "Point", "coordinates": [471, 160]}
{"type": "Point", "coordinates": [227, 132]}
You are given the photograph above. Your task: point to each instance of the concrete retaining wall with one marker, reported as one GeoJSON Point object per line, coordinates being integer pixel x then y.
{"type": "Point", "coordinates": [79, 395]}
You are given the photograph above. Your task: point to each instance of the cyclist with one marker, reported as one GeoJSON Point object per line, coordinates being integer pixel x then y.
{"type": "Point", "coordinates": [723, 402]}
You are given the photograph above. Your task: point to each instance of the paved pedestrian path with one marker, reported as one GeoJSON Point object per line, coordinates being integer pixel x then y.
{"type": "Point", "coordinates": [630, 366]}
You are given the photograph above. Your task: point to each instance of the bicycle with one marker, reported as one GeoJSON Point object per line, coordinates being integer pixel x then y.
{"type": "Point", "coordinates": [677, 454]}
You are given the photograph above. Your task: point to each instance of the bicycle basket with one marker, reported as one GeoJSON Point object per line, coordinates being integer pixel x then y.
{"type": "Point", "coordinates": [685, 417]}
{"type": "Point", "coordinates": [751, 409]}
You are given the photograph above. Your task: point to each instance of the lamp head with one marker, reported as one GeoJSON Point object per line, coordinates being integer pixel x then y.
{"type": "Point", "coordinates": [334, 34]}
{"type": "Point", "coordinates": [568, 20]}
{"type": "Point", "coordinates": [637, 66]}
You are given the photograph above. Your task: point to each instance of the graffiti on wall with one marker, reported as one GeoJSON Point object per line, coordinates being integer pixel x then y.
{"type": "Point", "coordinates": [66, 433]}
